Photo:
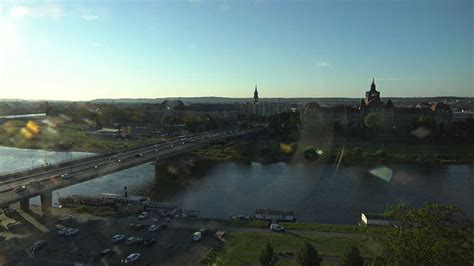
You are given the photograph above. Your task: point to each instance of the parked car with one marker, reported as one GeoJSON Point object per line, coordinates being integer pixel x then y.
{"type": "Point", "coordinates": [9, 210]}
{"type": "Point", "coordinates": [118, 238]}
{"type": "Point", "coordinates": [138, 155]}
{"type": "Point", "coordinates": [138, 226]}
{"type": "Point", "coordinates": [197, 236]}
{"type": "Point", "coordinates": [143, 215]}
{"type": "Point", "coordinates": [153, 228]}
{"type": "Point", "coordinates": [106, 252]}
{"type": "Point", "coordinates": [131, 258]}
{"type": "Point", "coordinates": [65, 218]}
{"type": "Point", "coordinates": [62, 231]}
{"type": "Point", "coordinates": [71, 231]}
{"type": "Point", "coordinates": [134, 240]}
{"type": "Point", "coordinates": [37, 245]}
{"type": "Point", "coordinates": [149, 242]}
{"type": "Point", "coordinates": [277, 228]}
{"type": "Point", "coordinates": [163, 226]}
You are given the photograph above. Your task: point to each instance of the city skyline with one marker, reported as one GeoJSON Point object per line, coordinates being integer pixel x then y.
{"type": "Point", "coordinates": [58, 50]}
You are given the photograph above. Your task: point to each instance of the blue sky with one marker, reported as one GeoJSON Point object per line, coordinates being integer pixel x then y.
{"type": "Point", "coordinates": [82, 50]}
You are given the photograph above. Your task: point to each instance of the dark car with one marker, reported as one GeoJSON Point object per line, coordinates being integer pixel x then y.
{"type": "Point", "coordinates": [106, 252]}
{"type": "Point", "coordinates": [149, 242]}
{"type": "Point", "coordinates": [163, 226]}
{"type": "Point", "coordinates": [138, 227]}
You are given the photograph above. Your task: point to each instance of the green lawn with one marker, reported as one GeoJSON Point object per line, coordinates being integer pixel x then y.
{"type": "Point", "coordinates": [244, 248]}
{"type": "Point", "coordinates": [337, 228]}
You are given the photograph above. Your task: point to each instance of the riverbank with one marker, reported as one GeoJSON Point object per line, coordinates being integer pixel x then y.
{"type": "Point", "coordinates": [273, 151]}
{"type": "Point", "coordinates": [63, 136]}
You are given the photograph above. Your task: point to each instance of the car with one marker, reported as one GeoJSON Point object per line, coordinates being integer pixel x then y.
{"type": "Point", "coordinates": [197, 236]}
{"type": "Point", "coordinates": [37, 245]}
{"type": "Point", "coordinates": [71, 231]}
{"type": "Point", "coordinates": [20, 189]}
{"type": "Point", "coordinates": [138, 155]}
{"type": "Point", "coordinates": [204, 231]}
{"type": "Point", "coordinates": [118, 238]}
{"type": "Point", "coordinates": [132, 224]}
{"type": "Point", "coordinates": [277, 228]}
{"type": "Point", "coordinates": [119, 160]}
{"type": "Point", "coordinates": [106, 252]}
{"type": "Point", "coordinates": [66, 176]}
{"type": "Point", "coordinates": [134, 240]}
{"type": "Point", "coordinates": [96, 166]}
{"type": "Point", "coordinates": [171, 146]}
{"type": "Point", "coordinates": [163, 226]}
{"type": "Point", "coordinates": [65, 218]}
{"type": "Point", "coordinates": [131, 258]}
{"type": "Point", "coordinates": [143, 215]}
{"type": "Point", "coordinates": [149, 242]}
{"type": "Point", "coordinates": [153, 228]}
{"type": "Point", "coordinates": [138, 226]}
{"type": "Point", "coordinates": [62, 231]}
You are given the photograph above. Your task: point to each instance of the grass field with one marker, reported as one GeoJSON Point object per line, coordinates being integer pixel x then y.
{"type": "Point", "coordinates": [243, 248]}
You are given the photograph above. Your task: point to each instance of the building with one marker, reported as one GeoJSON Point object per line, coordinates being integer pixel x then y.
{"type": "Point", "coordinates": [275, 215]}
{"type": "Point", "coordinates": [375, 219]}
{"type": "Point", "coordinates": [387, 117]}
{"type": "Point", "coordinates": [266, 108]}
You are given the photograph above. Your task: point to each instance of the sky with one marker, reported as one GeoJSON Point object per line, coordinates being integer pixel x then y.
{"type": "Point", "coordinates": [83, 50]}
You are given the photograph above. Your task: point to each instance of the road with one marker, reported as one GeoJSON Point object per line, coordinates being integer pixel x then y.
{"type": "Point", "coordinates": [81, 170]}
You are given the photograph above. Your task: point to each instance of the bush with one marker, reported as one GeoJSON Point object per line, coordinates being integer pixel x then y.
{"type": "Point", "coordinates": [352, 257]}
{"type": "Point", "coordinates": [357, 151]}
{"type": "Point", "coordinates": [308, 256]}
{"type": "Point", "coordinates": [268, 257]}
{"type": "Point", "coordinates": [381, 153]}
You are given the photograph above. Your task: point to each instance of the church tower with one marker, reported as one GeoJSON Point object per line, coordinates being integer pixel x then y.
{"type": "Point", "coordinates": [255, 95]}
{"type": "Point", "coordinates": [372, 96]}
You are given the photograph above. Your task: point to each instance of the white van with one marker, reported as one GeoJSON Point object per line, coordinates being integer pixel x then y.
{"type": "Point", "coordinates": [197, 236]}
{"type": "Point", "coordinates": [277, 228]}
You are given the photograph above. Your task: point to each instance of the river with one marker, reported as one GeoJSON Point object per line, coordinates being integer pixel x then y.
{"type": "Point", "coordinates": [315, 192]}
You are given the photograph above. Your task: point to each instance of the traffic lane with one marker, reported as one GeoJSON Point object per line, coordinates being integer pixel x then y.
{"type": "Point", "coordinates": [50, 184]}
{"type": "Point", "coordinates": [124, 155]}
{"type": "Point", "coordinates": [113, 160]}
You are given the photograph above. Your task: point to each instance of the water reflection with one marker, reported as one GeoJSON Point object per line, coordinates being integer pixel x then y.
{"type": "Point", "coordinates": [314, 192]}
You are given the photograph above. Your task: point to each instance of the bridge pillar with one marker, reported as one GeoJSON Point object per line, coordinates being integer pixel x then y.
{"type": "Point", "coordinates": [25, 204]}
{"type": "Point", "coordinates": [46, 202]}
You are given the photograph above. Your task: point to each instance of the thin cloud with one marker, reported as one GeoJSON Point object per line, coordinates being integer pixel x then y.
{"type": "Point", "coordinates": [49, 11]}
{"type": "Point", "coordinates": [322, 64]}
{"type": "Point", "coordinates": [89, 17]}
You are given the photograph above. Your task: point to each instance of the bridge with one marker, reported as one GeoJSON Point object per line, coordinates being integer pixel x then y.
{"type": "Point", "coordinates": [42, 181]}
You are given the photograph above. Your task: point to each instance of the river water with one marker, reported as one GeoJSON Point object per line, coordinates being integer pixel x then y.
{"type": "Point", "coordinates": [316, 193]}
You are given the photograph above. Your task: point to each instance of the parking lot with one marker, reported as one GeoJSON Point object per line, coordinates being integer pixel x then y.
{"type": "Point", "coordinates": [173, 246]}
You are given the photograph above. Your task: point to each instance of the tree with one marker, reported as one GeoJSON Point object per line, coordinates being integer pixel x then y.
{"type": "Point", "coordinates": [352, 257]}
{"type": "Point", "coordinates": [432, 235]}
{"type": "Point", "coordinates": [268, 257]}
{"type": "Point", "coordinates": [308, 256]}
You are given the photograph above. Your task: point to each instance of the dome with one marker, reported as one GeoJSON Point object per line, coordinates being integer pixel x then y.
{"type": "Point", "coordinates": [312, 106]}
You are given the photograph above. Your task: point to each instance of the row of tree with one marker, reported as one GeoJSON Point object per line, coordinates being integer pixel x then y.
{"type": "Point", "coordinates": [309, 256]}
